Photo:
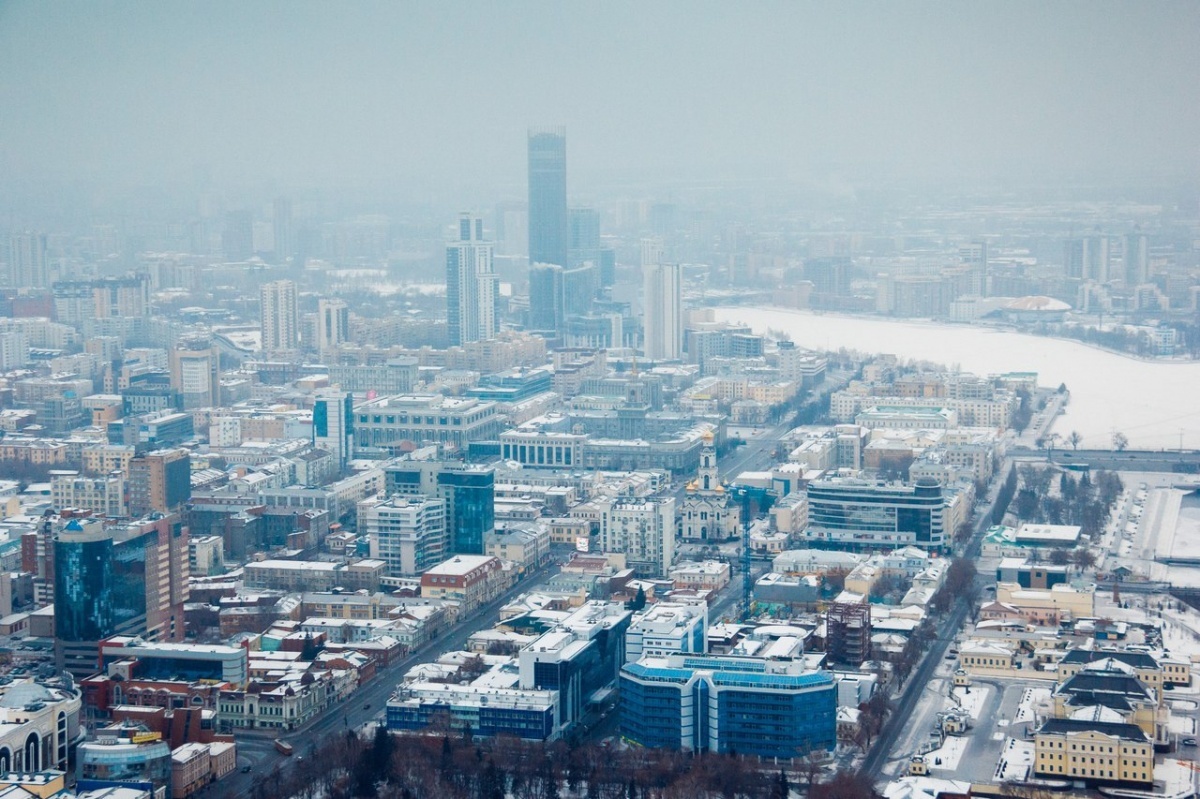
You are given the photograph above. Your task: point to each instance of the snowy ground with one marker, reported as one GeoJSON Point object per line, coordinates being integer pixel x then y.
{"type": "Point", "coordinates": [1016, 762]}
{"type": "Point", "coordinates": [946, 757]}
{"type": "Point", "coordinates": [973, 703]}
{"type": "Point", "coordinates": [1182, 725]}
{"type": "Point", "coordinates": [1177, 776]}
{"type": "Point", "coordinates": [1030, 700]}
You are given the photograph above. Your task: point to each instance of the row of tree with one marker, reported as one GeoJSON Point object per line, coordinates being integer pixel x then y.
{"type": "Point", "coordinates": [455, 765]}
{"type": "Point", "coordinates": [1085, 501]}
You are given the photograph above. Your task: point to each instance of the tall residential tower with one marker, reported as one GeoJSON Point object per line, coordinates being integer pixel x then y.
{"type": "Point", "coordinates": [280, 322]}
{"type": "Point", "coordinates": [662, 305]}
{"type": "Point", "coordinates": [470, 284]}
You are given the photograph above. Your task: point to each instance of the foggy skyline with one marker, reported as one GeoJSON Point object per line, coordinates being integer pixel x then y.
{"type": "Point", "coordinates": [439, 99]}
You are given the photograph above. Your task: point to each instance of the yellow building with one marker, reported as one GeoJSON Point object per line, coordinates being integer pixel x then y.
{"type": "Point", "coordinates": [1042, 606]}
{"type": "Point", "coordinates": [1095, 751]}
{"type": "Point", "coordinates": [1143, 665]}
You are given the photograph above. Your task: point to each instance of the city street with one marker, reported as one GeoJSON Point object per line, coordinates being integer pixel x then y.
{"type": "Point", "coordinates": [256, 747]}
{"type": "Point", "coordinates": [888, 746]}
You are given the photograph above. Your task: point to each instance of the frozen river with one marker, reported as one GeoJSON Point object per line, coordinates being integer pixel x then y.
{"type": "Point", "coordinates": [1150, 402]}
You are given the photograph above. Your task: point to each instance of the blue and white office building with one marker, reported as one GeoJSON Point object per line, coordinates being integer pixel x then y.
{"type": "Point", "coordinates": [727, 704]}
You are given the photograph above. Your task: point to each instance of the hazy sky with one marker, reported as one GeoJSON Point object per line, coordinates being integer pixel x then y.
{"type": "Point", "coordinates": [322, 94]}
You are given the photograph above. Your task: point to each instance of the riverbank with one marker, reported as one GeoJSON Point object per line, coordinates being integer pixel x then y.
{"type": "Point", "coordinates": [1004, 327]}
{"type": "Point", "coordinates": [1149, 401]}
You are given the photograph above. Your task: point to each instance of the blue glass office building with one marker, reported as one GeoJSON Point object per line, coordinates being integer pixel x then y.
{"type": "Point", "coordinates": [728, 704]}
{"type": "Point", "coordinates": [470, 495]}
{"type": "Point", "coordinates": [99, 591]}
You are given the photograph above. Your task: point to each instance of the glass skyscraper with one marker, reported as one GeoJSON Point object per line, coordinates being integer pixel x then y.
{"type": "Point", "coordinates": [99, 591]}
{"type": "Point", "coordinates": [470, 508]}
{"type": "Point", "coordinates": [549, 229]}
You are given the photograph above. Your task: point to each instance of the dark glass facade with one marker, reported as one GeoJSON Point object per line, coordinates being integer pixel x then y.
{"type": "Point", "coordinates": [723, 705]}
{"type": "Point", "coordinates": [177, 476]}
{"type": "Point", "coordinates": [529, 723]}
{"type": "Point", "coordinates": [470, 508]}
{"type": "Point", "coordinates": [546, 300]}
{"type": "Point", "coordinates": [99, 588]}
{"type": "Point", "coordinates": [99, 591]}
{"type": "Point", "coordinates": [549, 228]}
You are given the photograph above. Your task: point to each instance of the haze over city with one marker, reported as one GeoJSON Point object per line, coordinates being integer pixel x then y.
{"type": "Point", "coordinates": [423, 97]}
{"type": "Point", "coordinates": [599, 401]}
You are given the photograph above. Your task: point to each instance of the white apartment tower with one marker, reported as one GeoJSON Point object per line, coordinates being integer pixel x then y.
{"type": "Point", "coordinates": [27, 264]}
{"type": "Point", "coordinates": [407, 533]}
{"type": "Point", "coordinates": [641, 528]}
{"type": "Point", "coordinates": [470, 284]}
{"type": "Point", "coordinates": [280, 318]}
{"type": "Point", "coordinates": [333, 426]}
{"type": "Point", "coordinates": [662, 305]}
{"type": "Point", "coordinates": [333, 325]}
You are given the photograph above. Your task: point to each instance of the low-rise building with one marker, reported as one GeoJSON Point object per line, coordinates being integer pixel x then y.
{"type": "Point", "coordinates": [1050, 606]}
{"type": "Point", "coordinates": [470, 580]}
{"type": "Point", "coordinates": [710, 575]}
{"type": "Point", "coordinates": [667, 628]}
{"type": "Point", "coordinates": [39, 721]}
{"type": "Point", "coordinates": [1093, 751]}
{"type": "Point", "coordinates": [527, 546]}
{"type": "Point", "coordinates": [301, 576]}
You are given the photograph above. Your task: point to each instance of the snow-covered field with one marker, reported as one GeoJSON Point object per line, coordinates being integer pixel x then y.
{"type": "Point", "coordinates": [1016, 761]}
{"type": "Point", "coordinates": [973, 702]}
{"type": "Point", "coordinates": [1029, 703]}
{"type": "Point", "coordinates": [947, 756]}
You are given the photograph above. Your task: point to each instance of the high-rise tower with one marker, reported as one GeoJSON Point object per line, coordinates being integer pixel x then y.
{"type": "Point", "coordinates": [281, 221]}
{"type": "Point", "coordinates": [662, 305]}
{"type": "Point", "coordinates": [280, 323]}
{"type": "Point", "coordinates": [116, 580]}
{"type": "Point", "coordinates": [237, 240]}
{"type": "Point", "coordinates": [549, 229]}
{"type": "Point", "coordinates": [546, 300]}
{"type": "Point", "coordinates": [333, 325]}
{"type": "Point", "coordinates": [470, 284]}
{"type": "Point", "coordinates": [333, 425]}
{"type": "Point", "coordinates": [27, 267]}
{"type": "Point", "coordinates": [1137, 259]}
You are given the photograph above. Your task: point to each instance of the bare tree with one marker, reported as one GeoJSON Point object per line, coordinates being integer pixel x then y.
{"type": "Point", "coordinates": [1075, 439]}
{"type": "Point", "coordinates": [1119, 441]}
{"type": "Point", "coordinates": [1084, 558]}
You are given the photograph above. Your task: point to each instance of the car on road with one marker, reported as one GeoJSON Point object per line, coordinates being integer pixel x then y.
{"type": "Point", "coordinates": [366, 706]}
{"type": "Point", "coordinates": [1189, 741]}
{"type": "Point", "coordinates": [245, 769]}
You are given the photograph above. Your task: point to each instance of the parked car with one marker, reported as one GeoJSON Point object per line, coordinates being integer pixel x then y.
{"type": "Point", "coordinates": [1189, 741]}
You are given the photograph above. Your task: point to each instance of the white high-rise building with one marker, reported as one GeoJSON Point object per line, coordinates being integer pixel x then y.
{"type": "Point", "coordinates": [333, 426]}
{"type": "Point", "coordinates": [470, 284]}
{"type": "Point", "coordinates": [1137, 259]}
{"type": "Point", "coordinates": [333, 325]}
{"type": "Point", "coordinates": [280, 318]}
{"type": "Point", "coordinates": [652, 252]}
{"type": "Point", "coordinates": [643, 528]}
{"type": "Point", "coordinates": [407, 533]}
{"type": "Point", "coordinates": [662, 304]}
{"type": "Point", "coordinates": [195, 373]}
{"type": "Point", "coordinates": [14, 349]}
{"type": "Point", "coordinates": [27, 265]}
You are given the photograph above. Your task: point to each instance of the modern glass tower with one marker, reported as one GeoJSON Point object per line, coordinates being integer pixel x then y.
{"type": "Point", "coordinates": [549, 229]}
{"type": "Point", "coordinates": [547, 301]}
